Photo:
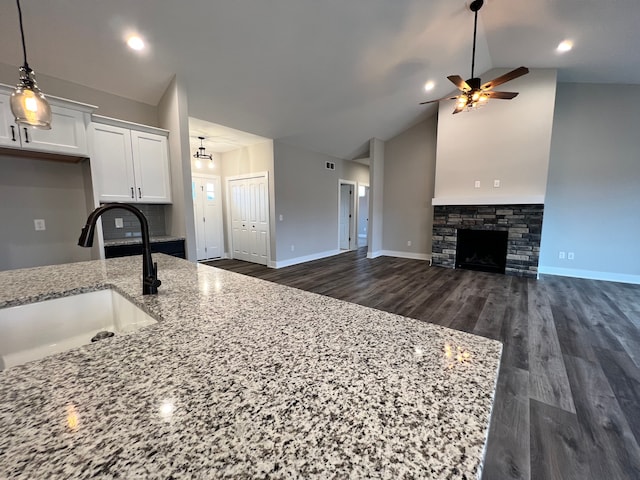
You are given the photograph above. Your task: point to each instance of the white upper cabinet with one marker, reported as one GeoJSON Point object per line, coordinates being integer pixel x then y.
{"type": "Point", "coordinates": [129, 162]}
{"type": "Point", "coordinates": [68, 134]}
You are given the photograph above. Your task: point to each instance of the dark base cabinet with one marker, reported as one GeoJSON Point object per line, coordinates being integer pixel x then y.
{"type": "Point", "coordinates": [174, 247]}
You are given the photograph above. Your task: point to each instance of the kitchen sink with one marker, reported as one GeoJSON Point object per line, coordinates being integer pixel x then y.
{"type": "Point", "coordinates": [36, 330]}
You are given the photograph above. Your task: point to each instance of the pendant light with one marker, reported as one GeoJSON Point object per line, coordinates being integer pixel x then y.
{"type": "Point", "coordinates": [28, 104]}
{"type": "Point", "coordinates": [201, 154]}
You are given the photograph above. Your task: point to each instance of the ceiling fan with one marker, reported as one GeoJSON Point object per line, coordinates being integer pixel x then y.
{"type": "Point", "coordinates": [474, 93]}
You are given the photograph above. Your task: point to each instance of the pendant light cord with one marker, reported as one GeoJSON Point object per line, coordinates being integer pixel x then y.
{"type": "Point", "coordinates": [24, 47]}
{"type": "Point", "coordinates": [473, 54]}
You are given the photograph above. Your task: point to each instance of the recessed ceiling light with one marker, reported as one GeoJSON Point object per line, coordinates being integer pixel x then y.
{"type": "Point", "coordinates": [135, 43]}
{"type": "Point", "coordinates": [565, 46]}
{"type": "Point", "coordinates": [429, 86]}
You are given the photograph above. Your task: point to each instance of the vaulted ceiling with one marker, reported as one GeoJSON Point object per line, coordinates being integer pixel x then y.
{"type": "Point", "coordinates": [324, 75]}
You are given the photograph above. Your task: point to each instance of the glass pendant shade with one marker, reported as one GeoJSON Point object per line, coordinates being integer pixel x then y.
{"type": "Point", "coordinates": [28, 104]}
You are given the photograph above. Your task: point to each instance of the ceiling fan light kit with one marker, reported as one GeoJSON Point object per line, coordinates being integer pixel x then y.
{"type": "Point", "coordinates": [475, 94]}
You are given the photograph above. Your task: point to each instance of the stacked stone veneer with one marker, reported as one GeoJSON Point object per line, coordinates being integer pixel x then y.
{"type": "Point", "coordinates": [523, 222]}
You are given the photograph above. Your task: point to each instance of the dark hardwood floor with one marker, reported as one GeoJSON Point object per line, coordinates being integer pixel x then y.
{"type": "Point", "coordinates": [568, 397]}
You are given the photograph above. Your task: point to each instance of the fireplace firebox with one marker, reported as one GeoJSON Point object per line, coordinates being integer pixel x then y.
{"type": "Point", "coordinates": [482, 250]}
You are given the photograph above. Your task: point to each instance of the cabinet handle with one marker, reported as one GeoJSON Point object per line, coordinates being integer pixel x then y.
{"type": "Point", "coordinates": [13, 133]}
{"type": "Point", "coordinates": [139, 193]}
{"type": "Point", "coordinates": [132, 194]}
{"type": "Point", "coordinates": [26, 135]}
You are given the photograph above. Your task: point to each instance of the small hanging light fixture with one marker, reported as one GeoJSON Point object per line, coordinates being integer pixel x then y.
{"type": "Point", "coordinates": [201, 154]}
{"type": "Point", "coordinates": [28, 104]}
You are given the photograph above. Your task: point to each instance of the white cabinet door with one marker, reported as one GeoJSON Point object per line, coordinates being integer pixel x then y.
{"type": "Point", "coordinates": [112, 164]}
{"type": "Point", "coordinates": [9, 133]}
{"type": "Point", "coordinates": [67, 134]}
{"type": "Point", "coordinates": [151, 167]}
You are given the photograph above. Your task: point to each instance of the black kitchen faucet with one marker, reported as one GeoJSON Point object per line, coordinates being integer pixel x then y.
{"type": "Point", "coordinates": [150, 282]}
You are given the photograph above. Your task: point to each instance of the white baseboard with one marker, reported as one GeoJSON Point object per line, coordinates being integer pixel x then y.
{"type": "Point", "coordinates": [374, 254]}
{"type": "Point", "coordinates": [306, 258]}
{"type": "Point", "coordinates": [412, 255]}
{"type": "Point", "coordinates": [589, 274]}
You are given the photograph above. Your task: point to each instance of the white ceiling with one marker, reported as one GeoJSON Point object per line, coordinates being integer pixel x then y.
{"type": "Point", "coordinates": [325, 75]}
{"type": "Point", "coordinates": [219, 138]}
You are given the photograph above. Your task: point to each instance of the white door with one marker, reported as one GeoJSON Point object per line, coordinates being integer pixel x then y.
{"type": "Point", "coordinates": [249, 213]}
{"type": "Point", "coordinates": [207, 207]}
{"type": "Point", "coordinates": [346, 192]}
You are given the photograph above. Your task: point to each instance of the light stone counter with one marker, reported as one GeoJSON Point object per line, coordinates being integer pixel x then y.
{"type": "Point", "coordinates": [243, 378]}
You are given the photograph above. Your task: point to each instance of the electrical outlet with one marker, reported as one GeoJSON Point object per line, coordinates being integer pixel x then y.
{"type": "Point", "coordinates": [408, 243]}
{"type": "Point", "coordinates": [496, 183]}
{"type": "Point", "coordinates": [561, 255]}
{"type": "Point", "coordinates": [119, 223]}
{"type": "Point", "coordinates": [477, 184]}
{"type": "Point", "coordinates": [571, 256]}
{"type": "Point", "coordinates": [39, 224]}
{"type": "Point", "coordinates": [281, 217]}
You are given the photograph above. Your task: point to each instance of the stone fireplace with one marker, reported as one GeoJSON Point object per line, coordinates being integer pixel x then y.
{"type": "Point", "coordinates": [523, 224]}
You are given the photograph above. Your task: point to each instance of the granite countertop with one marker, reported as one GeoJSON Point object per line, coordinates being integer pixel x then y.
{"type": "Point", "coordinates": [138, 240]}
{"type": "Point", "coordinates": [243, 378]}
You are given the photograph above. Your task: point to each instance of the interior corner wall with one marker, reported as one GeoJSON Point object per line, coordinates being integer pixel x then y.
{"type": "Point", "coordinates": [506, 140]}
{"type": "Point", "coordinates": [38, 189]}
{"type": "Point", "coordinates": [306, 198]}
{"type": "Point", "coordinates": [246, 160]}
{"type": "Point", "coordinates": [109, 105]}
{"type": "Point", "coordinates": [409, 177]}
{"type": "Point", "coordinates": [593, 194]}
{"type": "Point", "coordinates": [173, 116]}
{"type": "Point", "coordinates": [376, 197]}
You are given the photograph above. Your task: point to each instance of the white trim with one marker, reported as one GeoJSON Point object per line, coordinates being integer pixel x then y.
{"type": "Point", "coordinates": [589, 274]}
{"type": "Point", "coordinates": [412, 255]}
{"type": "Point", "coordinates": [375, 254]}
{"type": "Point", "coordinates": [114, 122]}
{"type": "Point", "coordinates": [306, 258]}
{"type": "Point", "coordinates": [505, 200]}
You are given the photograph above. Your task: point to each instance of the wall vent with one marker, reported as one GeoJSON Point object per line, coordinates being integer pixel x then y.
{"type": "Point", "coordinates": [330, 166]}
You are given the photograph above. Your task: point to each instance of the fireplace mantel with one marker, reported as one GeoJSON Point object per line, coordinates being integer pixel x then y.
{"type": "Point", "coordinates": [490, 200]}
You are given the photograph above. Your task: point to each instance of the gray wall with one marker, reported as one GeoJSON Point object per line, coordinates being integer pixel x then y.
{"type": "Point", "coordinates": [173, 115]}
{"type": "Point", "coordinates": [506, 140]}
{"type": "Point", "coordinates": [108, 104]}
{"type": "Point", "coordinates": [593, 191]}
{"type": "Point", "coordinates": [39, 189]}
{"type": "Point", "coordinates": [256, 158]}
{"type": "Point", "coordinates": [306, 195]}
{"type": "Point", "coordinates": [409, 176]}
{"type": "Point", "coordinates": [376, 197]}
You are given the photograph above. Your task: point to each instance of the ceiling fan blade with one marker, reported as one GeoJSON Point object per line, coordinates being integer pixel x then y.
{"type": "Point", "coordinates": [502, 95]}
{"type": "Point", "coordinates": [434, 101]}
{"type": "Point", "coordinates": [458, 108]}
{"type": "Point", "coordinates": [458, 81]}
{"type": "Point", "coordinates": [518, 72]}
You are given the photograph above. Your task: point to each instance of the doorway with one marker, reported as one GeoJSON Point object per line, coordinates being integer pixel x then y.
{"type": "Point", "coordinates": [346, 210]}
{"type": "Point", "coordinates": [207, 211]}
{"type": "Point", "coordinates": [248, 213]}
{"type": "Point", "coordinates": [363, 215]}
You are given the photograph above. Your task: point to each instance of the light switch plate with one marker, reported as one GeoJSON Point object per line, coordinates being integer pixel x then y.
{"type": "Point", "coordinates": [477, 184]}
{"type": "Point", "coordinates": [39, 224]}
{"type": "Point", "coordinates": [119, 223]}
